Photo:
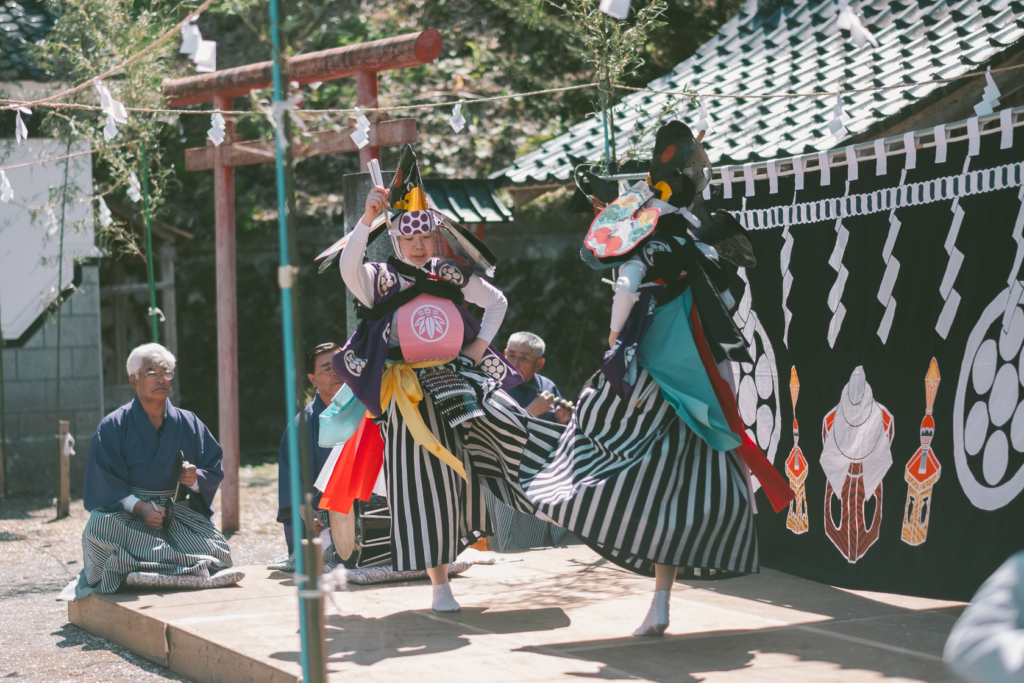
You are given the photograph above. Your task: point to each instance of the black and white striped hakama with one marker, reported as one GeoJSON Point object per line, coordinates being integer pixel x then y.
{"type": "Point", "coordinates": [638, 486]}
{"type": "Point", "coordinates": [118, 543]}
{"type": "Point", "coordinates": [435, 513]}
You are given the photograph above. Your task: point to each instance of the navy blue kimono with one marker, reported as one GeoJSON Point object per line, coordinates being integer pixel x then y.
{"type": "Point", "coordinates": [527, 391]}
{"type": "Point", "coordinates": [317, 458]}
{"type": "Point", "coordinates": [126, 453]}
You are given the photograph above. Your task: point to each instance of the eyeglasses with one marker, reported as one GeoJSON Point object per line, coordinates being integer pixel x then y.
{"type": "Point", "coordinates": [151, 375]}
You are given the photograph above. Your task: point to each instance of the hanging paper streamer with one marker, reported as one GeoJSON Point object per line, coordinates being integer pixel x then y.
{"type": "Point", "coordinates": [134, 188]}
{"type": "Point", "coordinates": [457, 120]}
{"type": "Point", "coordinates": [6, 193]}
{"type": "Point", "coordinates": [989, 97]}
{"type": "Point", "coordinates": [115, 111]}
{"type": "Point", "coordinates": [20, 129]}
{"type": "Point", "coordinates": [216, 132]}
{"type": "Point", "coordinates": [190, 37]}
{"type": "Point", "coordinates": [105, 218]}
{"type": "Point", "coordinates": [848, 19]}
{"type": "Point", "coordinates": [52, 226]}
{"type": "Point", "coordinates": [206, 56]}
{"type": "Point", "coordinates": [703, 120]}
{"type": "Point", "coordinates": [203, 53]}
{"type": "Point", "coordinates": [837, 126]}
{"type": "Point", "coordinates": [362, 135]}
{"type": "Point", "coordinates": [615, 8]}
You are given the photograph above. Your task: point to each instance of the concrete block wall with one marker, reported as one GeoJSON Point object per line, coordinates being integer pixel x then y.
{"type": "Point", "coordinates": [30, 393]}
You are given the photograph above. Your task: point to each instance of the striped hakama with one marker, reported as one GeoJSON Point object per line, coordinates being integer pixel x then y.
{"type": "Point", "coordinates": [434, 512]}
{"type": "Point", "coordinates": [632, 480]}
{"type": "Point", "coordinates": [115, 544]}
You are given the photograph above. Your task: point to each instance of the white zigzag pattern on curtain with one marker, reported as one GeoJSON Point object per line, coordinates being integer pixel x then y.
{"type": "Point", "coordinates": [925, 192]}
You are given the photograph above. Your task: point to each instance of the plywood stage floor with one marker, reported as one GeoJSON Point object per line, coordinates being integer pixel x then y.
{"type": "Point", "coordinates": [556, 615]}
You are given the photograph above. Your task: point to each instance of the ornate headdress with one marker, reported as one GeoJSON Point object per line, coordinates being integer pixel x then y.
{"type": "Point", "coordinates": [679, 172]}
{"type": "Point", "coordinates": [410, 214]}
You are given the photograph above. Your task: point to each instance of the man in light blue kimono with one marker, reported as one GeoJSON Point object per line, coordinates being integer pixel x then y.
{"type": "Point", "coordinates": [150, 479]}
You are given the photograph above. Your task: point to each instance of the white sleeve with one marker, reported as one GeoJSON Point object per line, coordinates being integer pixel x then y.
{"type": "Point", "coordinates": [631, 274]}
{"type": "Point", "coordinates": [128, 502]}
{"type": "Point", "coordinates": [195, 486]}
{"type": "Point", "coordinates": [358, 276]}
{"type": "Point", "coordinates": [482, 293]}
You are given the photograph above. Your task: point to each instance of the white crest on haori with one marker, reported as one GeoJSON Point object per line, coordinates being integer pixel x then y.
{"type": "Point", "coordinates": [457, 120]}
{"type": "Point", "coordinates": [989, 97]}
{"type": "Point", "coordinates": [6, 192]}
{"type": "Point", "coordinates": [429, 323]}
{"type": "Point", "coordinates": [837, 126]}
{"type": "Point", "coordinates": [134, 188]}
{"type": "Point", "coordinates": [216, 132]}
{"type": "Point", "coordinates": [362, 134]}
{"type": "Point", "coordinates": [354, 364]}
{"type": "Point", "coordinates": [105, 218]}
{"type": "Point", "coordinates": [848, 19]}
{"type": "Point", "coordinates": [20, 129]}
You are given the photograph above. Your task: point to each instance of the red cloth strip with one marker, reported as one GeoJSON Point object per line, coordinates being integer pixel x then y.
{"type": "Point", "coordinates": [357, 469]}
{"type": "Point", "coordinates": [775, 487]}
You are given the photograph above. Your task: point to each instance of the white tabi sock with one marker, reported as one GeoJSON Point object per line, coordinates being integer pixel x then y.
{"type": "Point", "coordinates": [657, 617]}
{"type": "Point", "coordinates": [444, 601]}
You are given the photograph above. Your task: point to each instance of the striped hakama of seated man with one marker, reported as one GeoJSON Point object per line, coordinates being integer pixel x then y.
{"type": "Point", "coordinates": [149, 489]}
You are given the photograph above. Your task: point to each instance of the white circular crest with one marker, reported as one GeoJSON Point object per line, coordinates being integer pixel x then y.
{"type": "Point", "coordinates": [354, 364]}
{"type": "Point", "coordinates": [385, 280]}
{"type": "Point", "coordinates": [451, 274]}
{"type": "Point", "coordinates": [429, 323]}
{"type": "Point", "coordinates": [988, 463]}
{"type": "Point", "coordinates": [493, 366]}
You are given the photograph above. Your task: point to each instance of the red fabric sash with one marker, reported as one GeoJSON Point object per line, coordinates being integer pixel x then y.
{"type": "Point", "coordinates": [775, 487]}
{"type": "Point", "coordinates": [357, 469]}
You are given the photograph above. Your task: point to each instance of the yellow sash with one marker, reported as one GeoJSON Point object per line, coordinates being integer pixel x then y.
{"type": "Point", "coordinates": [400, 381]}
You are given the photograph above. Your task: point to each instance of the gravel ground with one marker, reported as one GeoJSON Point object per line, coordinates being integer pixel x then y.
{"type": "Point", "coordinates": [40, 555]}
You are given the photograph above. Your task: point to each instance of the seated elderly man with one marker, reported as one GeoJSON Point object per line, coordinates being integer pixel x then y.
{"type": "Point", "coordinates": [537, 395]}
{"type": "Point", "coordinates": [150, 478]}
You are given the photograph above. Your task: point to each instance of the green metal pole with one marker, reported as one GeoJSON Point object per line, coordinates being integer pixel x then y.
{"type": "Point", "coordinates": [312, 671]}
{"type": "Point", "coordinates": [149, 244]}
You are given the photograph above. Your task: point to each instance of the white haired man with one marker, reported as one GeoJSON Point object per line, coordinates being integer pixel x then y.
{"type": "Point", "coordinates": [537, 395]}
{"type": "Point", "coordinates": [150, 478]}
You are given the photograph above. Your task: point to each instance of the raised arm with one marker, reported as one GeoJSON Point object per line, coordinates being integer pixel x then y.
{"type": "Point", "coordinates": [358, 276]}
{"type": "Point", "coordinates": [484, 294]}
{"type": "Point", "coordinates": [631, 274]}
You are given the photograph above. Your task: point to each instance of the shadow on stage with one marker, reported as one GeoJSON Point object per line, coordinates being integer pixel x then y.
{"type": "Point", "coordinates": [366, 640]}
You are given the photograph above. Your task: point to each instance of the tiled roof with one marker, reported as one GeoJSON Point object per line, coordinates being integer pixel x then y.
{"type": "Point", "coordinates": [22, 23]}
{"type": "Point", "coordinates": [797, 48]}
{"type": "Point", "coordinates": [467, 200]}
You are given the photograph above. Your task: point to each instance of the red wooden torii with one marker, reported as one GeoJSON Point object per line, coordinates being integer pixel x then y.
{"type": "Point", "coordinates": [363, 61]}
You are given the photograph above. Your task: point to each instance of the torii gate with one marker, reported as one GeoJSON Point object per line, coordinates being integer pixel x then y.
{"type": "Point", "coordinates": [364, 61]}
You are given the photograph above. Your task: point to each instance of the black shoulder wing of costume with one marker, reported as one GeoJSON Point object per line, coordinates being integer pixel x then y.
{"type": "Point", "coordinates": [466, 245]}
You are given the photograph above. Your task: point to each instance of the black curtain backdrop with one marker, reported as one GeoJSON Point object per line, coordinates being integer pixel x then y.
{"type": "Point", "coordinates": [965, 543]}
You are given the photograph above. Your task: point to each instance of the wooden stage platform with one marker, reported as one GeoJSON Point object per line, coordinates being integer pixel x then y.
{"type": "Point", "coordinates": [557, 615]}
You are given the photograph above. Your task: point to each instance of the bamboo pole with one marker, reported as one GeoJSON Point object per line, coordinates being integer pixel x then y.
{"type": "Point", "coordinates": [149, 245]}
{"type": "Point", "coordinates": [3, 417]}
{"type": "Point", "coordinates": [63, 486]}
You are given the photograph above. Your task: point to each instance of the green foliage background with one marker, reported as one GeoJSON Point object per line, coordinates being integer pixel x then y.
{"type": "Point", "coordinates": [491, 47]}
